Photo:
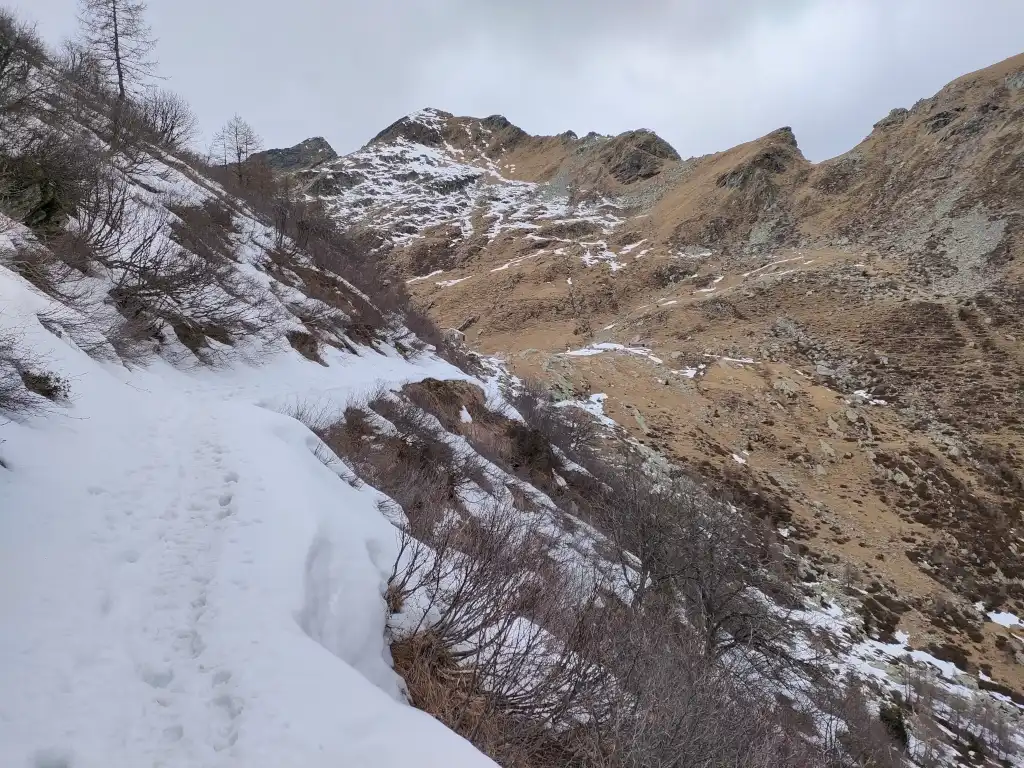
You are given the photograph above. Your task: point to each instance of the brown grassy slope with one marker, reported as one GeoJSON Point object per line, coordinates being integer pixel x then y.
{"type": "Point", "coordinates": [919, 299]}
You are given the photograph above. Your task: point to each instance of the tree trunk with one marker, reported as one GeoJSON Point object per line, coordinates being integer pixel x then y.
{"type": "Point", "coordinates": [117, 52]}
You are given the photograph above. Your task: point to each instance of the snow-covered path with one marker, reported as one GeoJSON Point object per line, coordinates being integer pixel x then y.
{"type": "Point", "coordinates": [182, 583]}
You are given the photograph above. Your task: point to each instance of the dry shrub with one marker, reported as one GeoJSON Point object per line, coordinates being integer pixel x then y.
{"type": "Point", "coordinates": [420, 472]}
{"type": "Point", "coordinates": [675, 539]}
{"type": "Point", "coordinates": [57, 268]}
{"type": "Point", "coordinates": [852, 732]}
{"type": "Point", "coordinates": [518, 449]}
{"type": "Point", "coordinates": [446, 400]}
{"type": "Point", "coordinates": [200, 296]}
{"type": "Point", "coordinates": [14, 397]}
{"type": "Point", "coordinates": [570, 428]}
{"type": "Point", "coordinates": [22, 55]}
{"type": "Point", "coordinates": [517, 655]}
{"type": "Point", "coordinates": [46, 384]}
{"type": "Point", "coordinates": [479, 658]}
{"type": "Point", "coordinates": [537, 675]}
{"type": "Point", "coordinates": [197, 293]}
{"type": "Point", "coordinates": [311, 244]}
{"type": "Point", "coordinates": [47, 176]}
{"type": "Point", "coordinates": [493, 444]}
{"type": "Point", "coordinates": [133, 339]}
{"type": "Point", "coordinates": [306, 345]}
{"type": "Point", "coordinates": [166, 118]}
{"type": "Point", "coordinates": [205, 229]}
{"type": "Point", "coordinates": [24, 381]}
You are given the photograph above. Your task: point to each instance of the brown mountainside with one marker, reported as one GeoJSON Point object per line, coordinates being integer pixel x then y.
{"type": "Point", "coordinates": [840, 343]}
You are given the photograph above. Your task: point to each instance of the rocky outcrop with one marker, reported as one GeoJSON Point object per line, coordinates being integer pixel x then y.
{"type": "Point", "coordinates": [302, 156]}
{"type": "Point", "coordinates": [636, 155]}
{"type": "Point", "coordinates": [422, 127]}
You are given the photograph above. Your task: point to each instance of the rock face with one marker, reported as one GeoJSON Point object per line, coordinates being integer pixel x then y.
{"type": "Point", "coordinates": [637, 155]}
{"type": "Point", "coordinates": [414, 128]}
{"type": "Point", "coordinates": [305, 155]}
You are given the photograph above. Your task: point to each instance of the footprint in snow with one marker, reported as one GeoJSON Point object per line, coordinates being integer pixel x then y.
{"type": "Point", "coordinates": [156, 678]}
{"type": "Point", "coordinates": [226, 509]}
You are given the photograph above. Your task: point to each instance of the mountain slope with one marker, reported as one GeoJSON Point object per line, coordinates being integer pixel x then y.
{"type": "Point", "coordinates": [840, 340]}
{"type": "Point", "coordinates": [258, 510]}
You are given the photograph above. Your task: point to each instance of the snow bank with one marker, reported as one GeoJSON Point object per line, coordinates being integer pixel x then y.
{"type": "Point", "coordinates": [184, 583]}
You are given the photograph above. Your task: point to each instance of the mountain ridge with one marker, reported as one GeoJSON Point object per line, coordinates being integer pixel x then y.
{"type": "Point", "coordinates": [752, 303]}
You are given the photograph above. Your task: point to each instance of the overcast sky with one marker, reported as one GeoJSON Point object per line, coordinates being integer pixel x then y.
{"type": "Point", "coordinates": [704, 74]}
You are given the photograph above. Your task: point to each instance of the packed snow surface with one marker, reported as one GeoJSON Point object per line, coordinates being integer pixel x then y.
{"type": "Point", "coordinates": [184, 583]}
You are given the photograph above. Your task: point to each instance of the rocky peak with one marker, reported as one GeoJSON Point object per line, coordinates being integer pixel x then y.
{"type": "Point", "coordinates": [422, 127]}
{"type": "Point", "coordinates": [472, 138]}
{"type": "Point", "coordinates": [769, 156]}
{"type": "Point", "coordinates": [783, 135]}
{"type": "Point", "coordinates": [304, 155]}
{"type": "Point", "coordinates": [636, 155]}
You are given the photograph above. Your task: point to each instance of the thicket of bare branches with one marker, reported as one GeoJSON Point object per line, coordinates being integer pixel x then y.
{"type": "Point", "coordinates": [21, 55]}
{"type": "Point", "coordinates": [570, 428]}
{"type": "Point", "coordinates": [168, 119]}
{"type": "Point", "coordinates": [537, 667]}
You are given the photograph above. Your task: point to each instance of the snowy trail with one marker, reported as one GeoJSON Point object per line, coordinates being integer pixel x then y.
{"type": "Point", "coordinates": [182, 583]}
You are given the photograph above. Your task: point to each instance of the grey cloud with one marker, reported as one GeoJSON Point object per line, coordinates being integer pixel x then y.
{"type": "Point", "coordinates": [705, 75]}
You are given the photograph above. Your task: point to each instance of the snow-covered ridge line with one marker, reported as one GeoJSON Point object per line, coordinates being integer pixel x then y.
{"type": "Point", "coordinates": [403, 188]}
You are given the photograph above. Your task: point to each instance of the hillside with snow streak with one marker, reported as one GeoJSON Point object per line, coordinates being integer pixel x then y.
{"type": "Point", "coordinates": [257, 510]}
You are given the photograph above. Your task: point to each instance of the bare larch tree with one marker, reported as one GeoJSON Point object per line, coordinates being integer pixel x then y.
{"type": "Point", "coordinates": [234, 144]}
{"type": "Point", "coordinates": [116, 33]}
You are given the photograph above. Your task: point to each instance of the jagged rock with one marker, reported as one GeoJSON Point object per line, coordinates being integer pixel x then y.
{"type": "Point", "coordinates": [896, 117]}
{"type": "Point", "coordinates": [637, 155]}
{"type": "Point", "coordinates": [302, 156]}
{"type": "Point", "coordinates": [454, 336]}
{"type": "Point", "coordinates": [900, 478]}
{"type": "Point", "coordinates": [827, 450]}
{"type": "Point", "coordinates": [787, 387]}
{"type": "Point", "coordinates": [410, 129]}
{"type": "Point", "coordinates": [330, 184]}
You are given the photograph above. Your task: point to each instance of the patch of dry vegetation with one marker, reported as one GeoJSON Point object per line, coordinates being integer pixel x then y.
{"type": "Point", "coordinates": [534, 665]}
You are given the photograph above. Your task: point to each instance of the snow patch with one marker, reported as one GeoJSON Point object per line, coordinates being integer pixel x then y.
{"type": "Point", "coordinates": [450, 283]}
{"type": "Point", "coordinates": [608, 346]}
{"type": "Point", "coordinates": [1004, 619]}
